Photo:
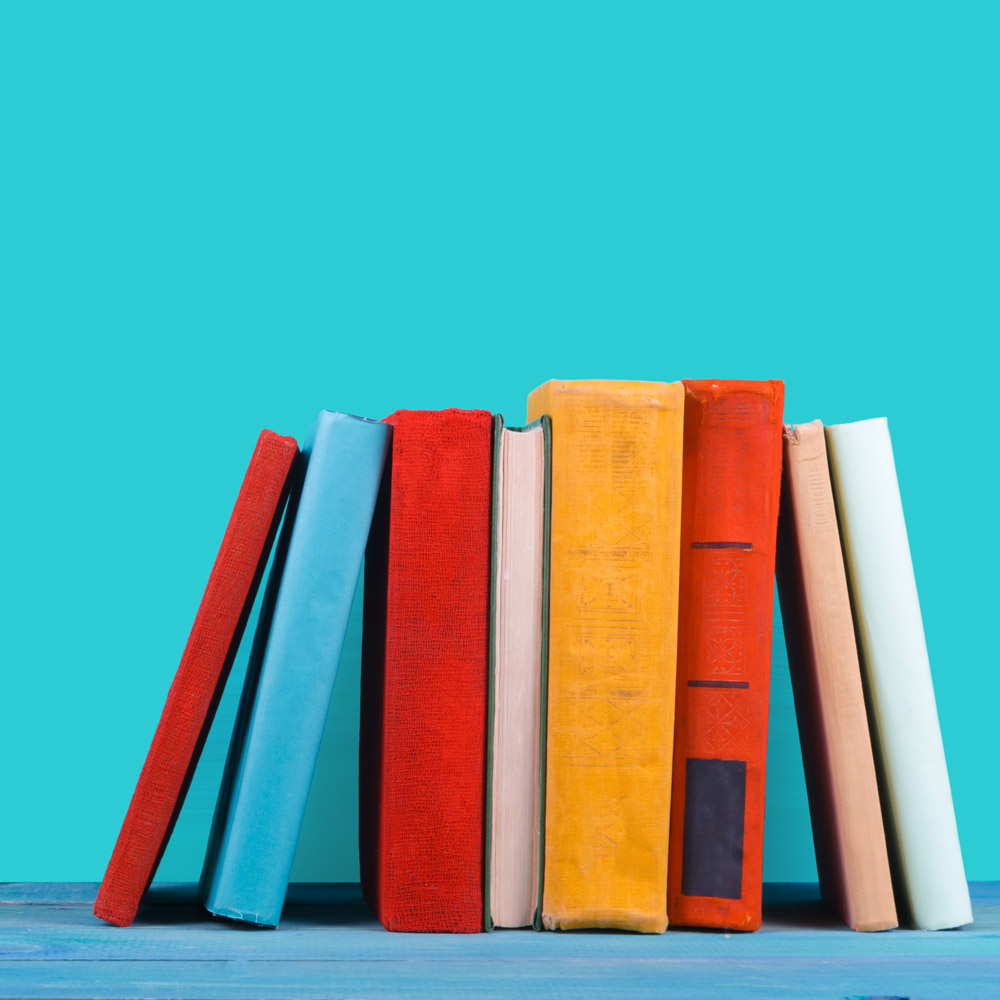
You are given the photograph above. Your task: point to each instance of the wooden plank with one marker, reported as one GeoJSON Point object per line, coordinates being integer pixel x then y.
{"type": "Point", "coordinates": [51, 945]}
{"type": "Point", "coordinates": [928, 979]}
{"type": "Point", "coordinates": [25, 938]}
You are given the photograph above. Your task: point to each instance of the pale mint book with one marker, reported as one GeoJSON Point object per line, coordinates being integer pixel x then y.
{"type": "Point", "coordinates": [292, 668]}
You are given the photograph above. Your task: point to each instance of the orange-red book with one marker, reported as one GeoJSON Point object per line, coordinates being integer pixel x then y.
{"type": "Point", "coordinates": [197, 687]}
{"type": "Point", "coordinates": [729, 515]}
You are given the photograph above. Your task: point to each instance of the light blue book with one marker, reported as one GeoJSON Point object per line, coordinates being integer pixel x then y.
{"type": "Point", "coordinates": [292, 667]}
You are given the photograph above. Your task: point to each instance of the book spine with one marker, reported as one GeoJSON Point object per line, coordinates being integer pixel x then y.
{"type": "Point", "coordinates": [516, 675]}
{"type": "Point", "coordinates": [615, 520]}
{"type": "Point", "coordinates": [916, 795]}
{"type": "Point", "coordinates": [546, 423]}
{"type": "Point", "coordinates": [294, 663]}
{"type": "Point", "coordinates": [201, 676]}
{"type": "Point", "coordinates": [826, 681]}
{"type": "Point", "coordinates": [732, 479]}
{"type": "Point", "coordinates": [424, 667]}
{"type": "Point", "coordinates": [491, 667]}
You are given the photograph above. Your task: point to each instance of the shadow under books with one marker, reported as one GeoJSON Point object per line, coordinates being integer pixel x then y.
{"type": "Point", "coordinates": [786, 905]}
{"type": "Point", "coordinates": [327, 904]}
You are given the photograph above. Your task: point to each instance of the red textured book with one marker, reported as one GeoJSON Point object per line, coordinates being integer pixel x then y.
{"type": "Point", "coordinates": [729, 517]}
{"type": "Point", "coordinates": [197, 686]}
{"type": "Point", "coordinates": [424, 675]}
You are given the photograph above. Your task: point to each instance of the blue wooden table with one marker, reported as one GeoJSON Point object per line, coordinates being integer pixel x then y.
{"type": "Point", "coordinates": [328, 945]}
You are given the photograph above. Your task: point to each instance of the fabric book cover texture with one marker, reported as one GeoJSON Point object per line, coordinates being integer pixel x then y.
{"type": "Point", "coordinates": [921, 833]}
{"type": "Point", "coordinates": [201, 676]}
{"type": "Point", "coordinates": [423, 678]}
{"type": "Point", "coordinates": [518, 674]}
{"type": "Point", "coordinates": [293, 664]}
{"type": "Point", "coordinates": [829, 700]}
{"type": "Point", "coordinates": [732, 481]}
{"type": "Point", "coordinates": [616, 507]}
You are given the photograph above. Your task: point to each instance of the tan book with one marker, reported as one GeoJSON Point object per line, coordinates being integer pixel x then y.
{"type": "Point", "coordinates": [829, 698]}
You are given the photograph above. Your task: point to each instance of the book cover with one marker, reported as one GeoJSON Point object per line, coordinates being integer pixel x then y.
{"type": "Point", "coordinates": [518, 674]}
{"type": "Point", "coordinates": [848, 834]}
{"type": "Point", "coordinates": [201, 676]}
{"type": "Point", "coordinates": [922, 836]}
{"type": "Point", "coordinates": [292, 668]}
{"type": "Point", "coordinates": [616, 504]}
{"type": "Point", "coordinates": [423, 678]}
{"type": "Point", "coordinates": [732, 480]}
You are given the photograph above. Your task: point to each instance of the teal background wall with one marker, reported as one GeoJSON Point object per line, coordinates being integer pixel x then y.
{"type": "Point", "coordinates": [215, 219]}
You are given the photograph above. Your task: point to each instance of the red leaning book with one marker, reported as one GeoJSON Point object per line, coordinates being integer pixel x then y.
{"type": "Point", "coordinates": [424, 676]}
{"type": "Point", "coordinates": [197, 686]}
{"type": "Point", "coordinates": [729, 517]}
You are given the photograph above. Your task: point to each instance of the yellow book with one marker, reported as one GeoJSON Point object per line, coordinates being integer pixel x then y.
{"type": "Point", "coordinates": [614, 557]}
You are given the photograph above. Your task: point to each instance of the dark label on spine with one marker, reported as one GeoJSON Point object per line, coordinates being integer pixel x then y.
{"type": "Point", "coordinates": [715, 793]}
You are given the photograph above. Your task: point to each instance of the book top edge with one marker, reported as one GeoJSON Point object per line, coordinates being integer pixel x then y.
{"type": "Point", "coordinates": [796, 433]}
{"type": "Point", "coordinates": [535, 425]}
{"type": "Point", "coordinates": [327, 420]}
{"type": "Point", "coordinates": [331, 415]}
{"type": "Point", "coordinates": [859, 425]}
{"type": "Point", "coordinates": [275, 438]}
{"type": "Point", "coordinates": [330, 422]}
{"type": "Point", "coordinates": [604, 383]}
{"type": "Point", "coordinates": [764, 387]}
{"type": "Point", "coordinates": [451, 411]}
{"type": "Point", "coordinates": [668, 395]}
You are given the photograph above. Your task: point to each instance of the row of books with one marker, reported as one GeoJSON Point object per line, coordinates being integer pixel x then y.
{"type": "Point", "coordinates": [565, 667]}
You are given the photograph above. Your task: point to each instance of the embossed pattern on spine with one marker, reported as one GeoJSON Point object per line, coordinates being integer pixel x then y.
{"type": "Point", "coordinates": [732, 472]}
{"type": "Point", "coordinates": [616, 449]}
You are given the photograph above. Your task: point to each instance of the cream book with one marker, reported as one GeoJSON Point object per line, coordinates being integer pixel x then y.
{"type": "Point", "coordinates": [829, 700]}
{"type": "Point", "coordinates": [919, 816]}
{"type": "Point", "coordinates": [515, 741]}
